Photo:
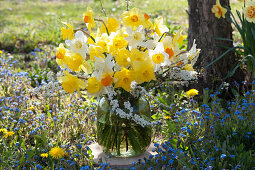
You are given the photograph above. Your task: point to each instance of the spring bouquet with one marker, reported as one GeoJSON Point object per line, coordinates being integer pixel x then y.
{"type": "Point", "coordinates": [120, 62]}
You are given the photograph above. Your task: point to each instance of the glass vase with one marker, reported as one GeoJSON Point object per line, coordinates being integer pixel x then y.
{"type": "Point", "coordinates": [121, 137]}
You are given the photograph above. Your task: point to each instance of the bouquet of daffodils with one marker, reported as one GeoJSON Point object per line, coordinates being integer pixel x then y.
{"type": "Point", "coordinates": [122, 58]}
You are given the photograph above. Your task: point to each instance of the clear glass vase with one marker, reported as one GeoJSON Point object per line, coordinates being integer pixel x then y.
{"type": "Point", "coordinates": [122, 137]}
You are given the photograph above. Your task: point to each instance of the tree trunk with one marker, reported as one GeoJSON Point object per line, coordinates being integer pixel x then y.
{"type": "Point", "coordinates": [205, 27]}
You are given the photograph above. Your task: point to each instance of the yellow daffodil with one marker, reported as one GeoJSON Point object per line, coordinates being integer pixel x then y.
{"type": "Point", "coordinates": [218, 10]}
{"type": "Point", "coordinates": [133, 18]}
{"type": "Point", "coordinates": [192, 92]}
{"type": "Point", "coordinates": [88, 18]}
{"type": "Point", "coordinates": [144, 71]}
{"type": "Point", "coordinates": [137, 55]}
{"type": "Point", "coordinates": [71, 83]}
{"type": "Point", "coordinates": [159, 26]}
{"type": "Point", "coordinates": [118, 42]}
{"type": "Point", "coordinates": [8, 133]}
{"type": "Point", "coordinates": [111, 24]}
{"type": "Point", "coordinates": [68, 33]}
{"type": "Point", "coordinates": [75, 61]}
{"type": "Point", "coordinates": [122, 58]}
{"type": "Point", "coordinates": [61, 51]}
{"type": "Point", "coordinates": [96, 51]}
{"type": "Point", "coordinates": [124, 79]}
{"type": "Point", "coordinates": [44, 155]}
{"type": "Point", "coordinates": [94, 85]}
{"type": "Point", "coordinates": [57, 152]}
{"type": "Point", "coordinates": [249, 12]}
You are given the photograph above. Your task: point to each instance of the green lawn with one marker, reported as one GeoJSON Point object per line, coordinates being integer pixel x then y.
{"type": "Point", "coordinates": [29, 24]}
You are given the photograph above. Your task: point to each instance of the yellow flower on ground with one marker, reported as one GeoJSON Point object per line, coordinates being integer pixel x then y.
{"type": "Point", "coordinates": [8, 133]}
{"type": "Point", "coordinates": [167, 117]}
{"type": "Point", "coordinates": [71, 83]}
{"type": "Point", "coordinates": [88, 18]}
{"type": "Point", "coordinates": [1, 51]}
{"type": "Point", "coordinates": [133, 18]}
{"type": "Point", "coordinates": [192, 92]}
{"type": "Point", "coordinates": [144, 71]}
{"type": "Point", "coordinates": [218, 10]}
{"type": "Point", "coordinates": [67, 33]}
{"type": "Point", "coordinates": [124, 79]}
{"type": "Point", "coordinates": [111, 24]}
{"type": "Point", "coordinates": [3, 130]}
{"type": "Point", "coordinates": [57, 152]}
{"type": "Point", "coordinates": [249, 12]}
{"type": "Point", "coordinates": [44, 155]}
{"type": "Point", "coordinates": [122, 58]}
{"type": "Point", "coordinates": [32, 108]}
{"type": "Point", "coordinates": [94, 85]}
{"type": "Point", "coordinates": [159, 26]}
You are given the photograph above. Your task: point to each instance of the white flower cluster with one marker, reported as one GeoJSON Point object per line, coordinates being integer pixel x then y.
{"type": "Point", "coordinates": [51, 88]}
{"type": "Point", "coordinates": [184, 75]}
{"type": "Point", "coordinates": [122, 114]}
{"type": "Point", "coordinates": [137, 91]}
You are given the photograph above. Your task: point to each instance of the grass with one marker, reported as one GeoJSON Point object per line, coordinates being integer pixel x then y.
{"type": "Point", "coordinates": [32, 24]}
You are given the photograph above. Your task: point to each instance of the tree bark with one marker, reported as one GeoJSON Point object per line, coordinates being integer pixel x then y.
{"type": "Point", "coordinates": [205, 27]}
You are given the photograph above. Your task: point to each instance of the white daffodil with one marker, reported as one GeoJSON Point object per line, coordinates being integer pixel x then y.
{"type": "Point", "coordinates": [151, 44]}
{"type": "Point", "coordinates": [193, 53]}
{"type": "Point", "coordinates": [171, 49]}
{"type": "Point", "coordinates": [158, 56]}
{"type": "Point", "coordinates": [136, 37]}
{"type": "Point", "coordinates": [103, 65]}
{"type": "Point", "coordinates": [78, 44]}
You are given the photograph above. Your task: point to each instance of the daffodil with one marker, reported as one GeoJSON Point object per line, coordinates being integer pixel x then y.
{"type": "Point", "coordinates": [68, 33]}
{"type": "Point", "coordinates": [78, 44]}
{"type": "Point", "coordinates": [111, 24]}
{"type": "Point", "coordinates": [118, 42]}
{"type": "Point", "coordinates": [136, 37]}
{"type": "Point", "coordinates": [57, 152]}
{"type": "Point", "coordinates": [159, 56]}
{"type": "Point", "coordinates": [144, 71]}
{"type": "Point", "coordinates": [133, 18]}
{"type": "Point", "coordinates": [61, 56]}
{"type": "Point", "coordinates": [77, 63]}
{"type": "Point", "coordinates": [249, 12]}
{"type": "Point", "coordinates": [122, 58]}
{"type": "Point", "coordinates": [94, 85]}
{"type": "Point", "coordinates": [71, 83]}
{"type": "Point", "coordinates": [159, 26]}
{"type": "Point", "coordinates": [218, 10]}
{"type": "Point", "coordinates": [192, 92]}
{"type": "Point", "coordinates": [88, 19]}
{"type": "Point", "coordinates": [137, 55]}
{"type": "Point", "coordinates": [124, 79]}
{"type": "Point", "coordinates": [170, 48]}
{"type": "Point", "coordinates": [103, 41]}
